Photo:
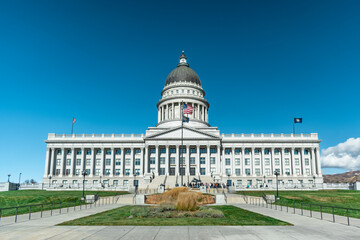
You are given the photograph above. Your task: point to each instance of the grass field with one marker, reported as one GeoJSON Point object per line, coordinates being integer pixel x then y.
{"type": "Point", "coordinates": [32, 197]}
{"type": "Point", "coordinates": [233, 216]}
{"type": "Point", "coordinates": [335, 198]}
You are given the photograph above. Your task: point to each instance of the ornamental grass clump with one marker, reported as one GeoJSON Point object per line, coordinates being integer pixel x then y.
{"type": "Point", "coordinates": [188, 201]}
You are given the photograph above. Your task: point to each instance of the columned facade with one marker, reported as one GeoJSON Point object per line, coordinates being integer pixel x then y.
{"type": "Point", "coordinates": [157, 157]}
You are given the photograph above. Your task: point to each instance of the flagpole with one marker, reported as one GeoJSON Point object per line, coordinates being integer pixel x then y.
{"type": "Point", "coordinates": [294, 126]}
{"type": "Point", "coordinates": [72, 126]}
{"type": "Point", "coordinates": [182, 141]}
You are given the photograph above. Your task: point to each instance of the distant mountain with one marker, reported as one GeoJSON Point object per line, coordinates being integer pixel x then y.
{"type": "Point", "coordinates": [347, 177]}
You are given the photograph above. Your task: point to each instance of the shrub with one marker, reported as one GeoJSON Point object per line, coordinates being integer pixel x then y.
{"type": "Point", "coordinates": [209, 212]}
{"type": "Point", "coordinates": [187, 201]}
{"type": "Point", "coordinates": [140, 212]}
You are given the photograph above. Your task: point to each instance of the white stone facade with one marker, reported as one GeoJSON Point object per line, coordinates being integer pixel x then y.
{"type": "Point", "coordinates": [245, 159]}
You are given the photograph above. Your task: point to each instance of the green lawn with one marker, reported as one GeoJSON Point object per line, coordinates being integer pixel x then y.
{"type": "Point", "coordinates": [336, 198]}
{"type": "Point", "coordinates": [32, 197]}
{"type": "Point", "coordinates": [233, 216]}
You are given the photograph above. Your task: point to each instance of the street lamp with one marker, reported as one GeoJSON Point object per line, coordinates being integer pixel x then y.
{"type": "Point", "coordinates": [9, 175]}
{"type": "Point", "coordinates": [314, 180]}
{"type": "Point", "coordinates": [135, 182]}
{"type": "Point", "coordinates": [264, 181]}
{"type": "Point", "coordinates": [277, 173]}
{"type": "Point", "coordinates": [84, 173]}
{"type": "Point", "coordinates": [49, 179]}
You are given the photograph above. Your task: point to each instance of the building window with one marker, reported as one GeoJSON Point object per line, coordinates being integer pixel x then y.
{"type": "Point", "coordinates": [78, 152]}
{"type": "Point", "coordinates": [237, 151]}
{"type": "Point", "coordinates": [183, 150]}
{"type": "Point", "coordinates": [202, 171]}
{"type": "Point", "coordinates": [286, 151]}
{"type": "Point", "coordinates": [182, 160]}
{"type": "Point", "coordinates": [212, 150]}
{"type": "Point", "coordinates": [256, 151]}
{"type": "Point", "coordinates": [192, 160]}
{"type": "Point", "coordinates": [77, 172]}
{"type": "Point", "coordinates": [152, 160]}
{"type": "Point", "coordinates": [257, 171]}
{"type": "Point", "coordinates": [88, 162]}
{"type": "Point", "coordinates": [162, 171]}
{"type": "Point", "coordinates": [67, 172]}
{"type": "Point", "coordinates": [257, 161]}
{"type": "Point", "coordinates": [247, 171]}
{"type": "Point", "coordinates": [107, 172]}
{"type": "Point", "coordinates": [137, 161]}
{"type": "Point", "coordinates": [97, 172]}
{"type": "Point", "coordinates": [57, 172]}
{"type": "Point", "coordinates": [172, 160]}
{"type": "Point", "coordinates": [239, 182]}
{"type": "Point", "coordinates": [69, 151]}
{"type": "Point", "coordinates": [287, 161]}
{"type": "Point", "coordinates": [297, 162]}
{"type": "Point", "coordinates": [237, 171]}
{"type": "Point", "coordinates": [126, 182]}
{"type": "Point", "coordinates": [98, 151]}
{"type": "Point", "coordinates": [247, 151]}
{"type": "Point", "coordinates": [118, 151]}
{"type": "Point", "coordinates": [287, 171]}
{"type": "Point", "coordinates": [117, 172]}
{"type": "Point", "coordinates": [202, 160]}
{"type": "Point", "coordinates": [58, 162]}
{"type": "Point", "coordinates": [228, 171]}
{"type": "Point", "coordinates": [306, 152]}
{"type": "Point", "coordinates": [247, 161]}
{"type": "Point", "coordinates": [87, 171]}
{"type": "Point", "coordinates": [267, 161]}
{"type": "Point", "coordinates": [202, 150]}
{"type": "Point", "coordinates": [212, 160]}
{"type": "Point", "coordinates": [152, 170]}
{"type": "Point", "coordinates": [307, 172]}
{"type": "Point", "coordinates": [98, 162]}
{"type": "Point", "coordinates": [127, 172]}
{"type": "Point", "coordinates": [116, 183]}
{"type": "Point", "coordinates": [276, 151]}
{"type": "Point", "coordinates": [297, 171]}
{"type": "Point", "coordinates": [162, 160]}
{"type": "Point", "coordinates": [277, 161]}
{"type": "Point", "coordinates": [227, 151]}
{"type": "Point", "coordinates": [162, 150]}
{"type": "Point", "coordinates": [68, 162]}
{"type": "Point", "coordinates": [296, 152]}
{"type": "Point", "coordinates": [212, 170]}
{"type": "Point", "coordinates": [172, 150]}
{"type": "Point", "coordinates": [237, 161]}
{"type": "Point", "coordinates": [128, 151]}
{"type": "Point", "coordinates": [266, 151]}
{"type": "Point", "coordinates": [127, 161]}
{"type": "Point", "coordinates": [137, 151]}
{"type": "Point", "coordinates": [108, 152]}
{"type": "Point", "coordinates": [267, 171]}
{"type": "Point", "coordinates": [59, 151]}
{"type": "Point", "coordinates": [227, 161]}
{"type": "Point", "coordinates": [192, 150]}
{"type": "Point", "coordinates": [88, 152]}
{"type": "Point", "coordinates": [137, 171]}
{"type": "Point", "coordinates": [108, 161]}
{"type": "Point", "coordinates": [118, 162]}
{"type": "Point", "coordinates": [78, 162]}
{"type": "Point", "coordinates": [152, 150]}
{"type": "Point", "coordinates": [307, 162]}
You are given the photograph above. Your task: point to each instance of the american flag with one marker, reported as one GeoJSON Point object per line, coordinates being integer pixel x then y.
{"type": "Point", "coordinates": [187, 109]}
{"type": "Point", "coordinates": [74, 120]}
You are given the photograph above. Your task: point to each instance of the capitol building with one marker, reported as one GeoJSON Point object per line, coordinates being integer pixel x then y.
{"type": "Point", "coordinates": [174, 151]}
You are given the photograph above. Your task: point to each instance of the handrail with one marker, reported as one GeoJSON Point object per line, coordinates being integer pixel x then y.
{"type": "Point", "coordinates": [264, 197]}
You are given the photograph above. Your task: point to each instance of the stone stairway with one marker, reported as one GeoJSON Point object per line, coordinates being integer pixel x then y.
{"type": "Point", "coordinates": [155, 183]}
{"type": "Point", "coordinates": [170, 182]}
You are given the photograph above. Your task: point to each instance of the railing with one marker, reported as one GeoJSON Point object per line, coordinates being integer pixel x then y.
{"type": "Point", "coordinates": [310, 209]}
{"type": "Point", "coordinates": [270, 135]}
{"type": "Point", "coordinates": [54, 135]}
{"type": "Point", "coordinates": [50, 209]}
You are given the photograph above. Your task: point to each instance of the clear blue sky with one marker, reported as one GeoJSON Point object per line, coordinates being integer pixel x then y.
{"type": "Point", "coordinates": [105, 62]}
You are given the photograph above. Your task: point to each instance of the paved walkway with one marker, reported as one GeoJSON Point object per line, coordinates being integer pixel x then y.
{"type": "Point", "coordinates": [304, 228]}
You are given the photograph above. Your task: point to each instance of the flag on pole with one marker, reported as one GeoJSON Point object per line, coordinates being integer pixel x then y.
{"type": "Point", "coordinates": [297, 120]}
{"type": "Point", "coordinates": [74, 120]}
{"type": "Point", "coordinates": [187, 109]}
{"type": "Point", "coordinates": [185, 119]}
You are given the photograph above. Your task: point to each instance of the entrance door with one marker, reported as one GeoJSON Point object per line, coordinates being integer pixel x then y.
{"type": "Point", "coordinates": [172, 171]}
{"type": "Point", "coordinates": [228, 183]}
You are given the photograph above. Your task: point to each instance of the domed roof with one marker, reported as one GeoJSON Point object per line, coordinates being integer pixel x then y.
{"type": "Point", "coordinates": [183, 73]}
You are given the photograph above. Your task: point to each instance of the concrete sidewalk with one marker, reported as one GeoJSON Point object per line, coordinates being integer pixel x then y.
{"type": "Point", "coordinates": [304, 228]}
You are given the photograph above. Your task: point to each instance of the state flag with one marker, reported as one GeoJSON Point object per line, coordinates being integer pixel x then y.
{"type": "Point", "coordinates": [297, 120]}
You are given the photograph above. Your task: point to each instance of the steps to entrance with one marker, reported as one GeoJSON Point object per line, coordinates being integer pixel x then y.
{"type": "Point", "coordinates": [156, 182]}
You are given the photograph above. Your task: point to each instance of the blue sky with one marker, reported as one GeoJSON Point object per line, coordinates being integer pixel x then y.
{"type": "Point", "coordinates": [105, 62]}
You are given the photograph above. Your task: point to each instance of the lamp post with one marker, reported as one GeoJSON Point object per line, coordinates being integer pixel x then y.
{"type": "Point", "coordinates": [84, 173]}
{"type": "Point", "coordinates": [314, 180]}
{"type": "Point", "coordinates": [9, 175]}
{"type": "Point", "coordinates": [228, 182]}
{"type": "Point", "coordinates": [277, 173]}
{"type": "Point", "coordinates": [19, 178]}
{"type": "Point", "coordinates": [49, 179]}
{"type": "Point", "coordinates": [264, 181]}
{"type": "Point", "coordinates": [135, 182]}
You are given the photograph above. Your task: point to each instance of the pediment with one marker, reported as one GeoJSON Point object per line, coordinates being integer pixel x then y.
{"type": "Point", "coordinates": [188, 133]}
